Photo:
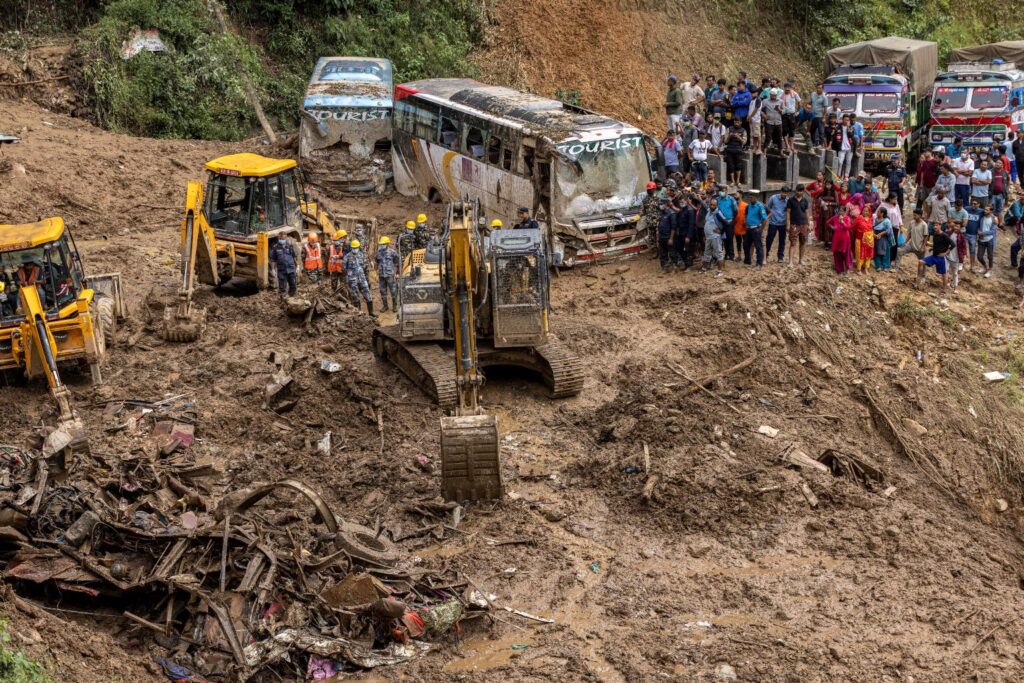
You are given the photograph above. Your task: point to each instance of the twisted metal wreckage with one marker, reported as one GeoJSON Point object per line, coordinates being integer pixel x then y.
{"type": "Point", "coordinates": [232, 589]}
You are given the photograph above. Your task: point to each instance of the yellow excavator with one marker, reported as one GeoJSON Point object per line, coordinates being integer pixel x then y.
{"type": "Point", "coordinates": [53, 315]}
{"type": "Point", "coordinates": [488, 295]}
{"type": "Point", "coordinates": [249, 201]}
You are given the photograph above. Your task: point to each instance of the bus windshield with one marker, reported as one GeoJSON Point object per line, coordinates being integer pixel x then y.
{"type": "Point", "coordinates": [598, 176]}
{"type": "Point", "coordinates": [950, 98]}
{"type": "Point", "coordinates": [880, 103]}
{"type": "Point", "coordinates": [988, 98]}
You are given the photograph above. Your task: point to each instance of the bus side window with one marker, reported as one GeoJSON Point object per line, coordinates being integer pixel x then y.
{"type": "Point", "coordinates": [449, 132]}
{"type": "Point", "coordinates": [494, 150]}
{"type": "Point", "coordinates": [426, 121]}
{"type": "Point", "coordinates": [506, 158]}
{"type": "Point", "coordinates": [475, 142]}
{"type": "Point", "coordinates": [528, 154]}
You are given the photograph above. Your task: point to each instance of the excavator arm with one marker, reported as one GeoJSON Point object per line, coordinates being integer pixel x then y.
{"type": "Point", "coordinates": [470, 460]}
{"type": "Point", "coordinates": [185, 322]}
{"type": "Point", "coordinates": [41, 356]}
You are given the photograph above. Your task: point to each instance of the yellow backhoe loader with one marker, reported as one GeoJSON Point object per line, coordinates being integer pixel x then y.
{"type": "Point", "coordinates": [249, 201]}
{"type": "Point", "coordinates": [490, 297]}
{"type": "Point", "coordinates": [53, 315]}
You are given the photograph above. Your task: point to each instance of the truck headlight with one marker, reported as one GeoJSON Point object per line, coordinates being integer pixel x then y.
{"type": "Point", "coordinates": [936, 137]}
{"type": "Point", "coordinates": [888, 143]}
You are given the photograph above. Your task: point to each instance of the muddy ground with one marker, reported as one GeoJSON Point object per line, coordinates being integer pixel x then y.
{"type": "Point", "coordinates": [726, 572]}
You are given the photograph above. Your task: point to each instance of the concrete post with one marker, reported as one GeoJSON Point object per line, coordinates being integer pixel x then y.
{"type": "Point", "coordinates": [759, 172]}
{"type": "Point", "coordinates": [716, 163]}
{"type": "Point", "coordinates": [858, 163]}
{"type": "Point", "coordinates": [747, 166]}
{"type": "Point", "coordinates": [793, 169]}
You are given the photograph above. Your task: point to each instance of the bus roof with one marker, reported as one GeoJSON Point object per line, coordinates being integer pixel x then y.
{"type": "Point", "coordinates": [28, 235]}
{"type": "Point", "coordinates": [553, 118]}
{"type": "Point", "coordinates": [248, 164]}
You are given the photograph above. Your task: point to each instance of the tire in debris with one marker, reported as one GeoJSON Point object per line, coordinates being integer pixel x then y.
{"type": "Point", "coordinates": [361, 543]}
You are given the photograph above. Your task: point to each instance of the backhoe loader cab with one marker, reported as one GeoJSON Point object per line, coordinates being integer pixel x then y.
{"type": "Point", "coordinates": [247, 194]}
{"type": "Point", "coordinates": [51, 313]}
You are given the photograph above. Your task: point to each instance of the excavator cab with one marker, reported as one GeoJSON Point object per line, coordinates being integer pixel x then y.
{"type": "Point", "coordinates": [51, 313]}
{"type": "Point", "coordinates": [519, 273]}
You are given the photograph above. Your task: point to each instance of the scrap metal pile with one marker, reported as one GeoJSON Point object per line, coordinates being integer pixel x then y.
{"type": "Point", "coordinates": [245, 584]}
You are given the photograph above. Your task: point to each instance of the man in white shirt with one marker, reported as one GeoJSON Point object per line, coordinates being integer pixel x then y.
{"type": "Point", "coordinates": [693, 93]}
{"type": "Point", "coordinates": [698, 152]}
{"type": "Point", "coordinates": [963, 169]}
{"type": "Point", "coordinates": [790, 101]}
{"type": "Point", "coordinates": [981, 183]}
{"type": "Point", "coordinates": [717, 132]}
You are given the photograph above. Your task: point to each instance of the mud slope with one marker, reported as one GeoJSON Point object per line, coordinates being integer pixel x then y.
{"type": "Point", "coordinates": [740, 562]}
{"type": "Point", "coordinates": [617, 55]}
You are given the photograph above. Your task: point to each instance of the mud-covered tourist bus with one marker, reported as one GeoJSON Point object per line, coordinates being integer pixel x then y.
{"type": "Point", "coordinates": [978, 102]}
{"type": "Point", "coordinates": [345, 134]}
{"type": "Point", "coordinates": [583, 175]}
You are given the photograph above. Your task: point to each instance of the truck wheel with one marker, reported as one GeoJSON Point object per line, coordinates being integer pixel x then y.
{"type": "Point", "coordinates": [106, 319]}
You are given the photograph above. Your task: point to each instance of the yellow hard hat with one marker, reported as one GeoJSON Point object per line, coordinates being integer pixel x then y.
{"type": "Point", "coordinates": [355, 244]}
{"type": "Point", "coordinates": [340, 234]}
{"type": "Point", "coordinates": [312, 237]}
{"type": "Point", "coordinates": [3, 285]}
{"type": "Point", "coordinates": [410, 225]}
{"type": "Point", "coordinates": [496, 223]}
{"type": "Point", "coordinates": [384, 240]}
{"type": "Point", "coordinates": [422, 218]}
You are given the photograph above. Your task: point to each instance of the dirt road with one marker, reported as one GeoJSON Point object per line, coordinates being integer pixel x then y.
{"type": "Point", "coordinates": [739, 566]}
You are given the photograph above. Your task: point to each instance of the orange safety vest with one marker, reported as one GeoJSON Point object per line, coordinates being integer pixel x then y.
{"type": "Point", "coordinates": [311, 259]}
{"type": "Point", "coordinates": [334, 260]}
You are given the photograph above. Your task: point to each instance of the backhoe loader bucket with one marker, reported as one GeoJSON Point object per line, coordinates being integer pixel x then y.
{"type": "Point", "coordinates": [183, 323]}
{"type": "Point", "coordinates": [470, 461]}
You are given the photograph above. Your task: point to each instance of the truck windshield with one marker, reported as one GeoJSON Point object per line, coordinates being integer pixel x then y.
{"type": "Point", "coordinates": [949, 98]}
{"type": "Point", "coordinates": [879, 103]}
{"type": "Point", "coordinates": [988, 98]}
{"type": "Point", "coordinates": [599, 176]}
{"type": "Point", "coordinates": [847, 101]}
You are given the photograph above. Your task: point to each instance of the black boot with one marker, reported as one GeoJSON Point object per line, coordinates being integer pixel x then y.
{"type": "Point", "coordinates": [384, 306]}
{"type": "Point", "coordinates": [369, 308]}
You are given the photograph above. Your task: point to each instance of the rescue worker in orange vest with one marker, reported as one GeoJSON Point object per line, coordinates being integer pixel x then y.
{"type": "Point", "coordinates": [312, 258]}
{"type": "Point", "coordinates": [334, 255]}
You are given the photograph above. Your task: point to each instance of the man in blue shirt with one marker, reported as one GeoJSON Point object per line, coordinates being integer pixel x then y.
{"type": "Point", "coordinates": [741, 105]}
{"type": "Point", "coordinates": [819, 102]}
{"type": "Point", "coordinates": [777, 221]}
{"type": "Point", "coordinates": [757, 219]}
{"type": "Point", "coordinates": [727, 207]}
{"type": "Point", "coordinates": [670, 151]}
{"type": "Point", "coordinates": [857, 185]}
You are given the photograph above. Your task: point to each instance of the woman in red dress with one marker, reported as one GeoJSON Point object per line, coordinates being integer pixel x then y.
{"type": "Point", "coordinates": [841, 243]}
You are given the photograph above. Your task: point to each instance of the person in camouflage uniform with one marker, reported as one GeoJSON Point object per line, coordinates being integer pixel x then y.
{"type": "Point", "coordinates": [422, 231]}
{"type": "Point", "coordinates": [388, 265]}
{"type": "Point", "coordinates": [354, 265]}
{"type": "Point", "coordinates": [407, 242]}
{"type": "Point", "coordinates": [650, 214]}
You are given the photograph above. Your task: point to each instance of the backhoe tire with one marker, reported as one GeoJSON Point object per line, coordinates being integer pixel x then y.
{"type": "Point", "coordinates": [106, 320]}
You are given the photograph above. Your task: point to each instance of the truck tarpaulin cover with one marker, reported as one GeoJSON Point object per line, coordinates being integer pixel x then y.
{"type": "Point", "coordinates": [1008, 50]}
{"type": "Point", "coordinates": [918, 60]}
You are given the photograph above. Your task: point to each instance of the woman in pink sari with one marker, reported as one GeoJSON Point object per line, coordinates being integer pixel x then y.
{"type": "Point", "coordinates": [841, 242]}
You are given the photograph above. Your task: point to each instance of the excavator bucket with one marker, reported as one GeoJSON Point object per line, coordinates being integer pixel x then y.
{"type": "Point", "coordinates": [470, 461]}
{"type": "Point", "coordinates": [183, 323]}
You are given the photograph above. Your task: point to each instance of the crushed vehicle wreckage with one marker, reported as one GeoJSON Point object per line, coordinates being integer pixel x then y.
{"type": "Point", "coordinates": [228, 583]}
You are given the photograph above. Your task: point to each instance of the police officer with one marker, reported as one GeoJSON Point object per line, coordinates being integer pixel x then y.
{"type": "Point", "coordinates": [407, 242]}
{"type": "Point", "coordinates": [387, 272]}
{"type": "Point", "coordinates": [422, 231]}
{"type": "Point", "coordinates": [354, 265]}
{"type": "Point", "coordinates": [525, 222]}
{"type": "Point", "coordinates": [282, 255]}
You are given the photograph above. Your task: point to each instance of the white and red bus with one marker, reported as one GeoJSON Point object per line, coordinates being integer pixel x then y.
{"type": "Point", "coordinates": [583, 175]}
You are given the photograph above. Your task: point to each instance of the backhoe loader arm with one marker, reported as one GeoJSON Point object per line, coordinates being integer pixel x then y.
{"type": "Point", "coordinates": [462, 267]}
{"type": "Point", "coordinates": [198, 246]}
{"type": "Point", "coordinates": [43, 354]}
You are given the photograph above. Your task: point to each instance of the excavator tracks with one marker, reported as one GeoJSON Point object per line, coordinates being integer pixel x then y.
{"type": "Point", "coordinates": [563, 371]}
{"type": "Point", "coordinates": [429, 366]}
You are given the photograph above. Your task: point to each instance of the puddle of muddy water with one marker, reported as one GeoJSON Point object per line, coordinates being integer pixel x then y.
{"type": "Point", "coordinates": [482, 654]}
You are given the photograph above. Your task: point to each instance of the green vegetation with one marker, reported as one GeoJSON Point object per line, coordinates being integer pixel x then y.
{"type": "Point", "coordinates": [950, 23]}
{"type": "Point", "coordinates": [907, 310]}
{"type": "Point", "coordinates": [15, 665]}
{"type": "Point", "coordinates": [194, 90]}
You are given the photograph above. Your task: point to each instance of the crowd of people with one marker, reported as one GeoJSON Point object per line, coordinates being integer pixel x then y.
{"type": "Point", "coordinates": [962, 194]}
